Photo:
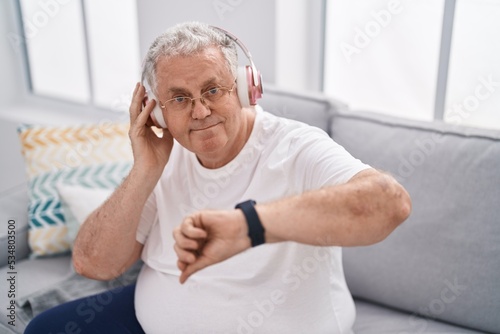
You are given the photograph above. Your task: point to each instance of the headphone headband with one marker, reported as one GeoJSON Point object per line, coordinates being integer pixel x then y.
{"type": "Point", "coordinates": [245, 51]}
{"type": "Point", "coordinates": [249, 79]}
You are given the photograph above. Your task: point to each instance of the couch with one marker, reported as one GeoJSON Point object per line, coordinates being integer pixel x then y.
{"type": "Point", "coordinates": [439, 272]}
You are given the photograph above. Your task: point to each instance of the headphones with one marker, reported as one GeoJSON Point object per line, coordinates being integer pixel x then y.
{"type": "Point", "coordinates": [248, 82]}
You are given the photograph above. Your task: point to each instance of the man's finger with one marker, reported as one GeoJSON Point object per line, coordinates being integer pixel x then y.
{"type": "Point", "coordinates": [186, 243]}
{"type": "Point", "coordinates": [190, 231]}
{"type": "Point", "coordinates": [143, 116]}
{"type": "Point", "coordinates": [184, 255]}
{"type": "Point", "coordinates": [181, 265]}
{"type": "Point", "coordinates": [136, 103]}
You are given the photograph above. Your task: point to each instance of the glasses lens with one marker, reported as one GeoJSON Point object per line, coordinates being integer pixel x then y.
{"type": "Point", "coordinates": [210, 98]}
{"type": "Point", "coordinates": [179, 103]}
{"type": "Point", "coordinates": [213, 95]}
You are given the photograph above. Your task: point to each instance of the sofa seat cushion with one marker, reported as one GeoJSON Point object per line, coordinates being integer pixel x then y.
{"type": "Point", "coordinates": [33, 275]}
{"type": "Point", "coordinates": [42, 283]}
{"type": "Point", "coordinates": [375, 319]}
{"type": "Point", "coordinates": [14, 214]}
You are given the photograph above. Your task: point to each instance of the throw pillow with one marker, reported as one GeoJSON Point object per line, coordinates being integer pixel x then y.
{"type": "Point", "coordinates": [97, 155]}
{"type": "Point", "coordinates": [78, 202]}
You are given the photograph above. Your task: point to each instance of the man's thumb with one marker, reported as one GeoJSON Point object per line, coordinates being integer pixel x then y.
{"type": "Point", "coordinates": [199, 264]}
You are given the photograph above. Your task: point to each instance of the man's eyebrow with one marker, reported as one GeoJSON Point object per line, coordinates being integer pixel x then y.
{"type": "Point", "coordinates": [177, 90]}
{"type": "Point", "coordinates": [184, 91]}
{"type": "Point", "coordinates": [210, 81]}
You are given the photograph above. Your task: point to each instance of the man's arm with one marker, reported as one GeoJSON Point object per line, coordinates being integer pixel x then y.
{"type": "Point", "coordinates": [106, 244]}
{"type": "Point", "coordinates": [363, 211]}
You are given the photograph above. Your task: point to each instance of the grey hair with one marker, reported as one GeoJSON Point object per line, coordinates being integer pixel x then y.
{"type": "Point", "coordinates": [187, 39]}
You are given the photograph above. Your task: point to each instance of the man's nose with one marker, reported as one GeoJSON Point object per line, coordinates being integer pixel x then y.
{"type": "Point", "coordinates": [199, 109]}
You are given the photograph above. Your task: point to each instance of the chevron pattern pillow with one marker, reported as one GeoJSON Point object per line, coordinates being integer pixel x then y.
{"type": "Point", "coordinates": [94, 156]}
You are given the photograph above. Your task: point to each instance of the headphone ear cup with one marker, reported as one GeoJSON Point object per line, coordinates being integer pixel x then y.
{"type": "Point", "coordinates": [248, 92]}
{"type": "Point", "coordinates": [255, 91]}
{"type": "Point", "coordinates": [157, 116]}
{"type": "Point", "coordinates": [243, 88]}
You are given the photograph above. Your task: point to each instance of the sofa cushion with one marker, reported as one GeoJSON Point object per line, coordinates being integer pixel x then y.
{"type": "Point", "coordinates": [444, 262]}
{"type": "Point", "coordinates": [78, 202]}
{"type": "Point", "coordinates": [97, 155]}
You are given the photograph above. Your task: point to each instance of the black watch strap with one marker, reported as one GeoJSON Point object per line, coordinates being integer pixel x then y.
{"type": "Point", "coordinates": [255, 228]}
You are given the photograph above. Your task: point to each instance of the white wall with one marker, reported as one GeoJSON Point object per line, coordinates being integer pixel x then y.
{"type": "Point", "coordinates": [12, 82]}
{"type": "Point", "coordinates": [282, 55]}
{"type": "Point", "coordinates": [288, 56]}
{"type": "Point", "coordinates": [380, 57]}
{"type": "Point", "coordinates": [252, 21]}
{"type": "Point", "coordinates": [11, 92]}
{"type": "Point", "coordinates": [17, 104]}
{"type": "Point", "coordinates": [299, 33]}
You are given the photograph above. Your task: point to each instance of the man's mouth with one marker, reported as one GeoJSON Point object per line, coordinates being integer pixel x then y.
{"type": "Point", "coordinates": [205, 127]}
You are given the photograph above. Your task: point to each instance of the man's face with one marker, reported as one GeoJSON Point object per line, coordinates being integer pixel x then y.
{"type": "Point", "coordinates": [213, 132]}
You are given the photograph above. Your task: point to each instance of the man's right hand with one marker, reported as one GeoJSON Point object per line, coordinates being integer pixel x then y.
{"type": "Point", "coordinates": [151, 153]}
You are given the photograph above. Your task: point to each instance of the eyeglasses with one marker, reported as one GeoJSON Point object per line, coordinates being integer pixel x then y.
{"type": "Point", "coordinates": [210, 98]}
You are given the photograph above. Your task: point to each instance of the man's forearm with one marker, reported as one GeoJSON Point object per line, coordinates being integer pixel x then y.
{"type": "Point", "coordinates": [363, 211]}
{"type": "Point", "coordinates": [106, 241]}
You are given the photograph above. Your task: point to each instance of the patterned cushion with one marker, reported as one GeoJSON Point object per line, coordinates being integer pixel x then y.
{"type": "Point", "coordinates": [95, 156]}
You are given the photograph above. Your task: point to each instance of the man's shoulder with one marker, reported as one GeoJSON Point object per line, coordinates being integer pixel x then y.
{"type": "Point", "coordinates": [282, 138]}
{"type": "Point", "coordinates": [283, 126]}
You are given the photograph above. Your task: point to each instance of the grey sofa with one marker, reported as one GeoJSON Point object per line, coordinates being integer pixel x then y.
{"type": "Point", "coordinates": [439, 272]}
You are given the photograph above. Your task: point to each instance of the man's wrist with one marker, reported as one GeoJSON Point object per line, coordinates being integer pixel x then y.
{"type": "Point", "coordinates": [256, 231]}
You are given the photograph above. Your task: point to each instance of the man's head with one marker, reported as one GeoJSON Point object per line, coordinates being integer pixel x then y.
{"type": "Point", "coordinates": [192, 70]}
{"type": "Point", "coordinates": [186, 39]}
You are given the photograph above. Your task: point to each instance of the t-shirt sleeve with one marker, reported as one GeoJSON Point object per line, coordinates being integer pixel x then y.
{"type": "Point", "coordinates": [318, 161]}
{"type": "Point", "coordinates": [149, 216]}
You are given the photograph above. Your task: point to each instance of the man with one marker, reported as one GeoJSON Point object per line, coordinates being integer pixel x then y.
{"type": "Point", "coordinates": [310, 194]}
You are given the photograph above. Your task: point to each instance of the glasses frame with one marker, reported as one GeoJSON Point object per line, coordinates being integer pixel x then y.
{"type": "Point", "coordinates": [163, 105]}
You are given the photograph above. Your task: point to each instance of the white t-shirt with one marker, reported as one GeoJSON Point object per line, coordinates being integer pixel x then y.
{"type": "Point", "coordinates": [273, 288]}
